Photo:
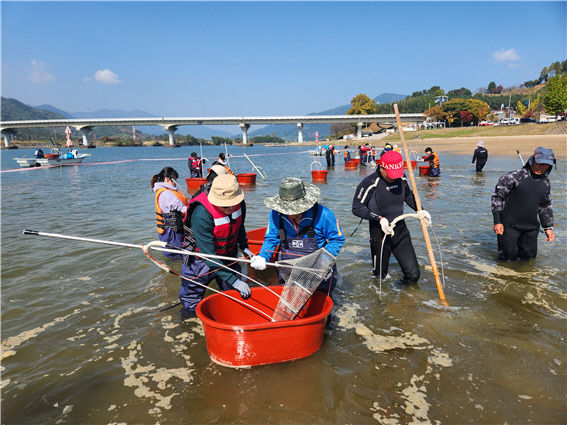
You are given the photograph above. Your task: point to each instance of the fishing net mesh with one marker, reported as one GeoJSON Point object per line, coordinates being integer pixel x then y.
{"type": "Point", "coordinates": [301, 280]}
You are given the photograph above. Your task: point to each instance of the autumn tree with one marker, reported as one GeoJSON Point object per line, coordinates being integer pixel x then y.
{"type": "Point", "coordinates": [362, 105]}
{"type": "Point", "coordinates": [555, 97]}
{"type": "Point", "coordinates": [436, 113]}
{"type": "Point", "coordinates": [478, 109]}
{"type": "Point", "coordinates": [465, 117]}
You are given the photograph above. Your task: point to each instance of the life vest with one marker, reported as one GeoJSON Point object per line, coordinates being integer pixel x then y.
{"type": "Point", "coordinates": [228, 170]}
{"type": "Point", "coordinates": [225, 232]}
{"type": "Point", "coordinates": [435, 163]}
{"type": "Point", "coordinates": [170, 220]}
{"type": "Point", "coordinates": [196, 163]}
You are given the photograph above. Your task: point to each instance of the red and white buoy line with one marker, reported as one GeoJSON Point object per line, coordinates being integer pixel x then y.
{"type": "Point", "coordinates": [136, 160]}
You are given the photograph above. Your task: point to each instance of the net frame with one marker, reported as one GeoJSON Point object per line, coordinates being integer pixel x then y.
{"type": "Point", "coordinates": [302, 276]}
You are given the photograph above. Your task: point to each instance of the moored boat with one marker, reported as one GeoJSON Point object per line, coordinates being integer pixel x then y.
{"type": "Point", "coordinates": [49, 160]}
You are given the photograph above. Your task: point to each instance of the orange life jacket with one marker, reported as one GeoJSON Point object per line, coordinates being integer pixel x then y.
{"type": "Point", "coordinates": [435, 163]}
{"type": "Point", "coordinates": [173, 219]}
{"type": "Point", "coordinates": [225, 232]}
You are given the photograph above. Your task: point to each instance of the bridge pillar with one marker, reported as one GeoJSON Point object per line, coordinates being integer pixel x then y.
{"type": "Point", "coordinates": [299, 132]}
{"type": "Point", "coordinates": [85, 131]}
{"type": "Point", "coordinates": [7, 135]}
{"type": "Point", "coordinates": [244, 127]}
{"type": "Point", "coordinates": [171, 129]}
{"type": "Point", "coordinates": [359, 130]}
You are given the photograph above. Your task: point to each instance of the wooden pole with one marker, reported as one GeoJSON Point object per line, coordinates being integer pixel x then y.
{"type": "Point", "coordinates": [418, 204]}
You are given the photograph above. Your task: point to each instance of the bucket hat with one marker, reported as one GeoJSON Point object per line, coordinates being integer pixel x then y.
{"type": "Point", "coordinates": [218, 169]}
{"type": "Point", "coordinates": [480, 144]}
{"type": "Point", "coordinates": [294, 197]}
{"type": "Point", "coordinates": [225, 191]}
{"type": "Point", "coordinates": [393, 163]}
{"type": "Point", "coordinates": [544, 156]}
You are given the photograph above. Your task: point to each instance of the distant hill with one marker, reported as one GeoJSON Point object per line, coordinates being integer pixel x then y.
{"type": "Point", "coordinates": [288, 132]}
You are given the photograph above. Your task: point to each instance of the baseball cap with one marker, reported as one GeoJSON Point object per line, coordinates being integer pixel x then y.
{"type": "Point", "coordinates": [393, 163]}
{"type": "Point", "coordinates": [544, 156]}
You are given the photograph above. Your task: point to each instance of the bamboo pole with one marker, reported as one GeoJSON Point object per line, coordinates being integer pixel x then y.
{"type": "Point", "coordinates": [418, 204]}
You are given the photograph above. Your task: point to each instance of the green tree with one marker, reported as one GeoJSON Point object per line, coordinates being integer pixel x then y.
{"type": "Point", "coordinates": [555, 97]}
{"type": "Point", "coordinates": [463, 92]}
{"type": "Point", "coordinates": [491, 87]}
{"type": "Point", "coordinates": [362, 105]}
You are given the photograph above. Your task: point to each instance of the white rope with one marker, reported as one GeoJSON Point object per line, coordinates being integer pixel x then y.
{"type": "Point", "coordinates": [162, 266]}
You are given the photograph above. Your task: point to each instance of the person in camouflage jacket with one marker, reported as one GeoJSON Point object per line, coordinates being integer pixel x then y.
{"type": "Point", "coordinates": [520, 197]}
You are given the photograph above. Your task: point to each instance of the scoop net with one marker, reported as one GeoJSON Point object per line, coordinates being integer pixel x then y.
{"type": "Point", "coordinates": [301, 280]}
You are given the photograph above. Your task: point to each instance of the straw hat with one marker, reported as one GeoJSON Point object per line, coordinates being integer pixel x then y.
{"type": "Point", "coordinates": [218, 169]}
{"type": "Point", "coordinates": [294, 197]}
{"type": "Point", "coordinates": [225, 191]}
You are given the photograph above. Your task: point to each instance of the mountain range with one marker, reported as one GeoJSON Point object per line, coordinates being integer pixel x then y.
{"type": "Point", "coordinates": [13, 109]}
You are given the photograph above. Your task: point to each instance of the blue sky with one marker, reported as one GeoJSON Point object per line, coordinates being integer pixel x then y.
{"type": "Point", "coordinates": [266, 58]}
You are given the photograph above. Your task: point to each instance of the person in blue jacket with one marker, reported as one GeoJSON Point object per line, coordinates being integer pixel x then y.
{"type": "Point", "coordinates": [299, 225]}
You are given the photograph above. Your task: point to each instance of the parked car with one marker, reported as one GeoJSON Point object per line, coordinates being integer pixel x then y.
{"type": "Point", "coordinates": [485, 123]}
{"type": "Point", "coordinates": [544, 119]}
{"type": "Point", "coordinates": [526, 120]}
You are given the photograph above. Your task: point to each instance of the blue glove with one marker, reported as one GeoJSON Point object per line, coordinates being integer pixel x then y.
{"type": "Point", "coordinates": [243, 288]}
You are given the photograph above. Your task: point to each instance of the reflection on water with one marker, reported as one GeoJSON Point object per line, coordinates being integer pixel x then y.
{"type": "Point", "coordinates": [84, 341]}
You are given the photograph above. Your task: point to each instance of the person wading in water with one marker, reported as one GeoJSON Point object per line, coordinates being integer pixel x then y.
{"type": "Point", "coordinates": [520, 197]}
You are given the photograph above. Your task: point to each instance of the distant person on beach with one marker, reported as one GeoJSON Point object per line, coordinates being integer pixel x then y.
{"type": "Point", "coordinates": [217, 221]}
{"type": "Point", "coordinates": [170, 207]}
{"type": "Point", "coordinates": [346, 153]}
{"type": "Point", "coordinates": [520, 197]}
{"type": "Point", "coordinates": [480, 155]}
{"type": "Point", "coordinates": [299, 225]}
{"type": "Point", "coordinates": [434, 164]}
{"type": "Point", "coordinates": [195, 166]}
{"type": "Point", "coordinates": [380, 199]}
{"type": "Point", "coordinates": [333, 154]}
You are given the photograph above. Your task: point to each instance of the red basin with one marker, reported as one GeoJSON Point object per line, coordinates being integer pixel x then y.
{"type": "Point", "coordinates": [238, 336]}
{"type": "Point", "coordinates": [424, 170]}
{"type": "Point", "coordinates": [194, 183]}
{"type": "Point", "coordinates": [246, 179]}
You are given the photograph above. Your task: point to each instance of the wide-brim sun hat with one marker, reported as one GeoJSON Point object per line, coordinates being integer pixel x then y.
{"type": "Point", "coordinates": [225, 191]}
{"type": "Point", "coordinates": [480, 144]}
{"type": "Point", "coordinates": [218, 169]}
{"type": "Point", "coordinates": [294, 197]}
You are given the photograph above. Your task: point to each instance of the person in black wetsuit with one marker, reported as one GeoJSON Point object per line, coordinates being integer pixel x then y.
{"type": "Point", "coordinates": [381, 196]}
{"type": "Point", "coordinates": [480, 156]}
{"type": "Point", "coordinates": [519, 199]}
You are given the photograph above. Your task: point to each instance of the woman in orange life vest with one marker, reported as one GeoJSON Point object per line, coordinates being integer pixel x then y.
{"type": "Point", "coordinates": [170, 206]}
{"type": "Point", "coordinates": [346, 153]}
{"type": "Point", "coordinates": [434, 165]}
{"type": "Point", "coordinates": [217, 221]}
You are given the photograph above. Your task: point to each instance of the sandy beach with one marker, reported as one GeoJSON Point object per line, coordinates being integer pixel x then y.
{"type": "Point", "coordinates": [496, 145]}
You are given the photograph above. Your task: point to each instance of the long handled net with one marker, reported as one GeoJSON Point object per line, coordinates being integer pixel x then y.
{"type": "Point", "coordinates": [301, 280]}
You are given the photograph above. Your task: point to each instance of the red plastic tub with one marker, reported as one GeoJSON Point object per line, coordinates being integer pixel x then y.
{"type": "Point", "coordinates": [238, 336]}
{"type": "Point", "coordinates": [352, 165]}
{"type": "Point", "coordinates": [194, 183]}
{"type": "Point", "coordinates": [319, 175]}
{"type": "Point", "coordinates": [51, 155]}
{"type": "Point", "coordinates": [256, 239]}
{"type": "Point", "coordinates": [357, 160]}
{"type": "Point", "coordinates": [424, 170]}
{"type": "Point", "coordinates": [246, 179]}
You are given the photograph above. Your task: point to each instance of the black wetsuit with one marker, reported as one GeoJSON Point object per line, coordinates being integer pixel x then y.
{"type": "Point", "coordinates": [375, 198]}
{"type": "Point", "coordinates": [519, 198]}
{"type": "Point", "coordinates": [481, 156]}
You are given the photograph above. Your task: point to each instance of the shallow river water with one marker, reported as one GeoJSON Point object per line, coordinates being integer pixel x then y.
{"type": "Point", "coordinates": [83, 340]}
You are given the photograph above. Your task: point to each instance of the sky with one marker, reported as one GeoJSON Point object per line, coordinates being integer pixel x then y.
{"type": "Point", "coordinates": [190, 59]}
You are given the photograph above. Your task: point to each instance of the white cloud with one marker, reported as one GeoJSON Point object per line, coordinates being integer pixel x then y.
{"type": "Point", "coordinates": [39, 73]}
{"type": "Point", "coordinates": [506, 55]}
{"type": "Point", "coordinates": [106, 76]}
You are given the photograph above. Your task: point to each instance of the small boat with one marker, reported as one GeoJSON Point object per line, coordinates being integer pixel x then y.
{"type": "Point", "coordinates": [49, 160]}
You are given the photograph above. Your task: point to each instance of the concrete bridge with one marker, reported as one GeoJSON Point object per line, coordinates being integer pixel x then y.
{"type": "Point", "coordinates": [170, 125]}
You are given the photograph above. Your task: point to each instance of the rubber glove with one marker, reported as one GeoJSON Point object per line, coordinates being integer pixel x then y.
{"type": "Point", "coordinates": [248, 253]}
{"type": "Point", "coordinates": [258, 262]}
{"type": "Point", "coordinates": [385, 224]}
{"type": "Point", "coordinates": [426, 216]}
{"type": "Point", "coordinates": [243, 288]}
